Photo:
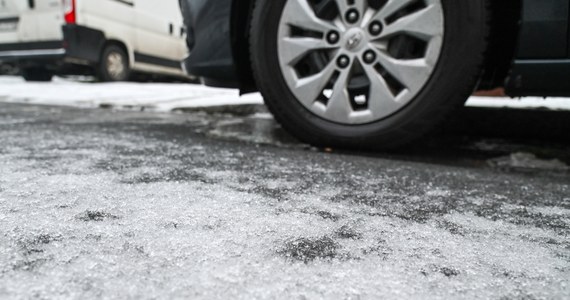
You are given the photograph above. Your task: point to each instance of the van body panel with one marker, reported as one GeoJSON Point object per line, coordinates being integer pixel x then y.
{"type": "Point", "coordinates": [17, 23]}
{"type": "Point", "coordinates": [10, 8]}
{"type": "Point", "coordinates": [9, 29]}
{"type": "Point", "coordinates": [164, 32]}
{"type": "Point", "coordinates": [38, 22]}
{"type": "Point", "coordinates": [48, 18]}
{"type": "Point", "coordinates": [9, 20]}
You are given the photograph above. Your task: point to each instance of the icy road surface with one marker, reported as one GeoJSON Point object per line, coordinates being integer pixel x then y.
{"type": "Point", "coordinates": [100, 204]}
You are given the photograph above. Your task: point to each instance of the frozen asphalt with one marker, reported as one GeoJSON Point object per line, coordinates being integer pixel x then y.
{"type": "Point", "coordinates": [100, 204]}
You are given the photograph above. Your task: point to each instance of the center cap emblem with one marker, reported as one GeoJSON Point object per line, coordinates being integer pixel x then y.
{"type": "Point", "coordinates": [354, 40]}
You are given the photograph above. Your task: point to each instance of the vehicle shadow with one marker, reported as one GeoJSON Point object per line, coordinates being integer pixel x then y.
{"type": "Point", "coordinates": [477, 135]}
{"type": "Point", "coordinates": [538, 125]}
{"type": "Point", "coordinates": [471, 136]}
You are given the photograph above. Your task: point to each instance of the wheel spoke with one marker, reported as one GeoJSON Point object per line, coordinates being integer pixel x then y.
{"type": "Point", "coordinates": [294, 49]}
{"type": "Point", "coordinates": [359, 5]}
{"type": "Point", "coordinates": [423, 24]}
{"type": "Point", "coordinates": [304, 17]}
{"type": "Point", "coordinates": [411, 73]}
{"type": "Point", "coordinates": [338, 107]}
{"type": "Point", "coordinates": [381, 101]}
{"type": "Point", "coordinates": [390, 8]}
{"type": "Point", "coordinates": [309, 88]}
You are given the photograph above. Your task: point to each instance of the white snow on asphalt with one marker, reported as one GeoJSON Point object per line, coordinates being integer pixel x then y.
{"type": "Point", "coordinates": [164, 97]}
{"type": "Point", "coordinates": [161, 97]}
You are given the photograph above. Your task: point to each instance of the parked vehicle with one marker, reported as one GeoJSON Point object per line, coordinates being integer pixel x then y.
{"type": "Point", "coordinates": [109, 38]}
{"type": "Point", "coordinates": [377, 73]}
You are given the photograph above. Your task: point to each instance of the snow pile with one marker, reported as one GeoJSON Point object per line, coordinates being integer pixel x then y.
{"type": "Point", "coordinates": [521, 103]}
{"type": "Point", "coordinates": [161, 97]}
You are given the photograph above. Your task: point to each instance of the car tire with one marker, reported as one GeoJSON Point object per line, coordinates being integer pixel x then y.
{"type": "Point", "coordinates": [37, 74]}
{"type": "Point", "coordinates": [114, 64]}
{"type": "Point", "coordinates": [453, 55]}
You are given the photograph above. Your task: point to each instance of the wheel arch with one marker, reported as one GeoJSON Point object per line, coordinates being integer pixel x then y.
{"type": "Point", "coordinates": [505, 19]}
{"type": "Point", "coordinates": [240, 24]}
{"type": "Point", "coordinates": [122, 45]}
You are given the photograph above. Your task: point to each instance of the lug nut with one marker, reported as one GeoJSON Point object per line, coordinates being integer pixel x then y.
{"type": "Point", "coordinates": [333, 37]}
{"type": "Point", "coordinates": [352, 16]}
{"type": "Point", "coordinates": [375, 28]}
{"type": "Point", "coordinates": [369, 56]}
{"type": "Point", "coordinates": [343, 61]}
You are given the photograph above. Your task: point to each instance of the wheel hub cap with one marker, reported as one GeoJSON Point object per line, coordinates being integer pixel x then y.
{"type": "Point", "coordinates": [115, 65]}
{"type": "Point", "coordinates": [355, 39]}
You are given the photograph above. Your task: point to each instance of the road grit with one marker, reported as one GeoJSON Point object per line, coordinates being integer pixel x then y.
{"type": "Point", "coordinates": [140, 207]}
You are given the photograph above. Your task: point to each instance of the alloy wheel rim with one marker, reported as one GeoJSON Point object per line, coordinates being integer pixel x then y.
{"type": "Point", "coordinates": [116, 65]}
{"type": "Point", "coordinates": [359, 61]}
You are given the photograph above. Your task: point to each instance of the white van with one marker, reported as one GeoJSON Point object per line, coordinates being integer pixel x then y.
{"type": "Point", "coordinates": [108, 38]}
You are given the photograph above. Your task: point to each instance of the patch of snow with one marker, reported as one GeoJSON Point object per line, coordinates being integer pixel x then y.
{"type": "Point", "coordinates": [263, 116]}
{"type": "Point", "coordinates": [161, 97]}
{"type": "Point", "coordinates": [553, 211]}
{"type": "Point", "coordinates": [521, 103]}
{"type": "Point", "coordinates": [522, 160]}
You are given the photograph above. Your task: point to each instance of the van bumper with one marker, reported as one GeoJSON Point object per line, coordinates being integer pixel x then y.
{"type": "Point", "coordinates": [38, 51]}
{"type": "Point", "coordinates": [80, 46]}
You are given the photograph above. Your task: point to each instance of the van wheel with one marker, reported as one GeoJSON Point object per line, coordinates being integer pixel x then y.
{"type": "Point", "coordinates": [366, 73]}
{"type": "Point", "coordinates": [37, 74]}
{"type": "Point", "coordinates": [114, 64]}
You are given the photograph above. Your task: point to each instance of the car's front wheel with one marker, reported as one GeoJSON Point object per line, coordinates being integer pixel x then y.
{"type": "Point", "coordinates": [366, 73]}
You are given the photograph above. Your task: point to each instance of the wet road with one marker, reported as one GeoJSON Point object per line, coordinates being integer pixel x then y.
{"type": "Point", "coordinates": [97, 203]}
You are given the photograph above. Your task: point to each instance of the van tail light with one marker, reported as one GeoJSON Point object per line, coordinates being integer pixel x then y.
{"type": "Point", "coordinates": [69, 11]}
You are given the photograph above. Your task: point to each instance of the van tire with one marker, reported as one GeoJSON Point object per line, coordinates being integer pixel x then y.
{"type": "Point", "coordinates": [37, 74]}
{"type": "Point", "coordinates": [114, 64]}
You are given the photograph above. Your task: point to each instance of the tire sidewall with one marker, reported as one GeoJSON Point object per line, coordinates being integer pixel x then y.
{"type": "Point", "coordinates": [461, 55]}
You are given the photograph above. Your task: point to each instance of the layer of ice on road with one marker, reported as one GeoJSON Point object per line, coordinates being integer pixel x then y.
{"type": "Point", "coordinates": [167, 97]}
{"type": "Point", "coordinates": [68, 232]}
{"type": "Point", "coordinates": [90, 209]}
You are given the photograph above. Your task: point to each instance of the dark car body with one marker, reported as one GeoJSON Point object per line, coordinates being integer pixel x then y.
{"type": "Point", "coordinates": [210, 35]}
{"type": "Point", "coordinates": [529, 50]}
